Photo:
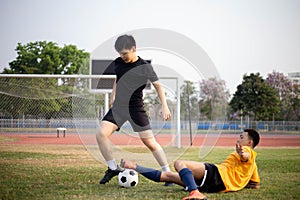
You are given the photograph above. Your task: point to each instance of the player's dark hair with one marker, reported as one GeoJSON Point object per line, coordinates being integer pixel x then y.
{"type": "Point", "coordinates": [253, 135]}
{"type": "Point", "coordinates": [124, 42]}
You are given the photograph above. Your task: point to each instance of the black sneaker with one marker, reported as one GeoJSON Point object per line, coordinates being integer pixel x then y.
{"type": "Point", "coordinates": [109, 174]}
{"type": "Point", "coordinates": [168, 184]}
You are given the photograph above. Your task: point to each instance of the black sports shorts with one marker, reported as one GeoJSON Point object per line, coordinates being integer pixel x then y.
{"type": "Point", "coordinates": [212, 181]}
{"type": "Point", "coordinates": [136, 116]}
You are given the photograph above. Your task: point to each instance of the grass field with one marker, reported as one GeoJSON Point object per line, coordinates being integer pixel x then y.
{"type": "Point", "coordinates": [69, 172]}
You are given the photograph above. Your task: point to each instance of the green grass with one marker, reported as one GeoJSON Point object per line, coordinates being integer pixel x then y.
{"type": "Point", "coordinates": [7, 139]}
{"type": "Point", "coordinates": [69, 172]}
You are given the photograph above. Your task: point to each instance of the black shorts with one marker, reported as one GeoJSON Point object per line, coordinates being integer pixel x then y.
{"type": "Point", "coordinates": [136, 116]}
{"type": "Point", "coordinates": [212, 181]}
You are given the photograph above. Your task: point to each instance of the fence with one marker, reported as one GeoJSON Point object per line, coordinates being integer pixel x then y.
{"type": "Point", "coordinates": [283, 126]}
{"type": "Point", "coordinates": [49, 125]}
{"type": "Point", "coordinates": [42, 104]}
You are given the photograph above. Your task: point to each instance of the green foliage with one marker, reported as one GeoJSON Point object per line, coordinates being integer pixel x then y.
{"type": "Point", "coordinates": [43, 57]}
{"type": "Point", "coordinates": [189, 101]}
{"type": "Point", "coordinates": [41, 97]}
{"type": "Point", "coordinates": [208, 104]}
{"type": "Point", "coordinates": [255, 98]}
{"type": "Point", "coordinates": [31, 96]}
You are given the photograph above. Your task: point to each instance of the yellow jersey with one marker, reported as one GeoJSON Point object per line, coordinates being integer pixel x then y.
{"type": "Point", "coordinates": [235, 173]}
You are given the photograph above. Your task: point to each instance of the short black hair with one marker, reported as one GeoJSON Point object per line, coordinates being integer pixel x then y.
{"type": "Point", "coordinates": [253, 135]}
{"type": "Point", "coordinates": [124, 42]}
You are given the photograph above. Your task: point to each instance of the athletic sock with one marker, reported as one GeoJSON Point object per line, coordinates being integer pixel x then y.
{"type": "Point", "coordinates": [161, 158]}
{"type": "Point", "coordinates": [187, 178]}
{"type": "Point", "coordinates": [112, 164]}
{"type": "Point", "coordinates": [166, 168]}
{"type": "Point", "coordinates": [149, 173]}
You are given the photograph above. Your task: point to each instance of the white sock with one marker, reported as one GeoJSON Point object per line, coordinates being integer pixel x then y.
{"type": "Point", "coordinates": [166, 168]}
{"type": "Point", "coordinates": [112, 164]}
{"type": "Point", "coordinates": [161, 158]}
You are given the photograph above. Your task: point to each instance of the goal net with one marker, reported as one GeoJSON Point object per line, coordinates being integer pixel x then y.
{"type": "Point", "coordinates": [39, 104]}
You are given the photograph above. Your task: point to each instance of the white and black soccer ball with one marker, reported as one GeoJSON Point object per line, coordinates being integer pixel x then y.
{"type": "Point", "coordinates": [128, 178]}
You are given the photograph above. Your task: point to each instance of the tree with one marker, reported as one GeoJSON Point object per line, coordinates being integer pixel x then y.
{"type": "Point", "coordinates": [284, 87]}
{"type": "Point", "coordinates": [43, 57]}
{"type": "Point", "coordinates": [214, 98]}
{"type": "Point", "coordinates": [295, 103]}
{"type": "Point", "coordinates": [189, 101]}
{"type": "Point", "coordinates": [29, 96]}
{"type": "Point", "coordinates": [280, 83]}
{"type": "Point", "coordinates": [255, 98]}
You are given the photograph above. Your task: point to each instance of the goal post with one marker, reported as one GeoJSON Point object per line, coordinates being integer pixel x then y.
{"type": "Point", "coordinates": [42, 102]}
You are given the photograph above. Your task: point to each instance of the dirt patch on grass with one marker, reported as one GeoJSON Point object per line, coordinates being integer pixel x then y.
{"type": "Point", "coordinates": [51, 155]}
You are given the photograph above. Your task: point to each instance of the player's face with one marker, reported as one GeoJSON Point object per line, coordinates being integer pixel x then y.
{"type": "Point", "coordinates": [128, 55]}
{"type": "Point", "coordinates": [244, 139]}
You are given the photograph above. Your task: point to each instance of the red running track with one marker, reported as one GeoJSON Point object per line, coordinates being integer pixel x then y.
{"type": "Point", "coordinates": [164, 139]}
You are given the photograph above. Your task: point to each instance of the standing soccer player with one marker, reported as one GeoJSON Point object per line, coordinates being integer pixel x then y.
{"type": "Point", "coordinates": [126, 103]}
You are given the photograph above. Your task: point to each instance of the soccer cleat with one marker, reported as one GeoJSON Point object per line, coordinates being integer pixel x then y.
{"type": "Point", "coordinates": [195, 195]}
{"type": "Point", "coordinates": [168, 184]}
{"type": "Point", "coordinates": [186, 188]}
{"type": "Point", "coordinates": [122, 163]}
{"type": "Point", "coordinates": [109, 174]}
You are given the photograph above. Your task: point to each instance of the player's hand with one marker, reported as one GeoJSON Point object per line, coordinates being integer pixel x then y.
{"type": "Point", "coordinates": [111, 102]}
{"type": "Point", "coordinates": [252, 185]}
{"type": "Point", "coordinates": [239, 149]}
{"type": "Point", "coordinates": [165, 113]}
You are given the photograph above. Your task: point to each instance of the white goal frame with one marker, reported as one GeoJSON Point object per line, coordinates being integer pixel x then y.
{"type": "Point", "coordinates": [106, 91]}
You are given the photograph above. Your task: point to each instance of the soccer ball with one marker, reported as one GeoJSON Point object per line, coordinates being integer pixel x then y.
{"type": "Point", "coordinates": [128, 178]}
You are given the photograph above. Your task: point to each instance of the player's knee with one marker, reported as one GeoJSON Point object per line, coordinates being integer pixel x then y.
{"type": "Point", "coordinates": [179, 165]}
{"type": "Point", "coordinates": [151, 144]}
{"type": "Point", "coordinates": [100, 135]}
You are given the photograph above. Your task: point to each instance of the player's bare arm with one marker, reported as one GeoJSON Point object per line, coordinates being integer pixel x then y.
{"type": "Point", "coordinates": [244, 155]}
{"type": "Point", "coordinates": [253, 185]}
{"type": "Point", "coordinates": [166, 114]}
{"type": "Point", "coordinates": [113, 93]}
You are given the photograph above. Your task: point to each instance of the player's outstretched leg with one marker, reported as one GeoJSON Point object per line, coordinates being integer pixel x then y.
{"type": "Point", "coordinates": [159, 176]}
{"type": "Point", "coordinates": [149, 173]}
{"type": "Point", "coordinates": [153, 174]}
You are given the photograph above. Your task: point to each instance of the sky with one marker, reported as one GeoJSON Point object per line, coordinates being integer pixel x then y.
{"type": "Point", "coordinates": [239, 36]}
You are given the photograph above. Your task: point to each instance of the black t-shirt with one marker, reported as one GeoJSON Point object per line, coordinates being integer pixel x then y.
{"type": "Point", "coordinates": [131, 80]}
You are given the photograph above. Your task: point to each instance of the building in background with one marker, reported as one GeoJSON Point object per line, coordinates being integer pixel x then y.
{"type": "Point", "coordinates": [295, 77]}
